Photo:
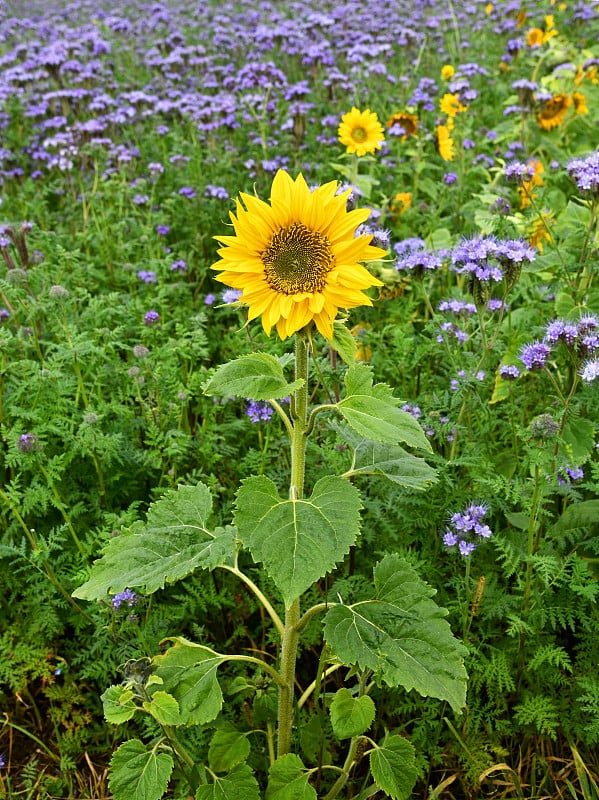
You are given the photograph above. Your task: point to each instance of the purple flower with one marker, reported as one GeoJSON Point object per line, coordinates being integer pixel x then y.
{"type": "Point", "coordinates": [449, 178]}
{"type": "Point", "coordinates": [4, 314]}
{"type": "Point", "coordinates": [179, 266]}
{"type": "Point", "coordinates": [258, 410]}
{"type": "Point", "coordinates": [128, 596]}
{"type": "Point", "coordinates": [466, 529]}
{"type": "Point", "coordinates": [151, 317]}
{"type": "Point", "coordinates": [162, 230]}
{"type": "Point", "coordinates": [534, 356]}
{"type": "Point", "coordinates": [147, 276]}
{"type": "Point", "coordinates": [519, 171]}
{"type": "Point", "coordinates": [188, 192]}
{"type": "Point", "coordinates": [27, 442]}
{"type": "Point", "coordinates": [231, 295]}
{"type": "Point", "coordinates": [209, 299]}
{"type": "Point", "coordinates": [590, 370]}
{"type": "Point", "coordinates": [2, 760]}
{"type": "Point", "coordinates": [218, 192]}
{"type": "Point", "coordinates": [509, 372]}
{"type": "Point", "coordinates": [415, 411]}
{"type": "Point", "coordinates": [585, 172]}
{"type": "Point", "coordinates": [568, 474]}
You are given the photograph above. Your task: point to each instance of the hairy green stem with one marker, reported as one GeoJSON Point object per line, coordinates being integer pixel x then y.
{"type": "Point", "coordinates": [289, 640]}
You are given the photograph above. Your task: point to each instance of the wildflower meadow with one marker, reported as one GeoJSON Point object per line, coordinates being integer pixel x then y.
{"type": "Point", "coordinates": [299, 399]}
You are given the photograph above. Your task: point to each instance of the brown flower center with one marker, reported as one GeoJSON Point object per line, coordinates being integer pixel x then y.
{"type": "Point", "coordinates": [297, 260]}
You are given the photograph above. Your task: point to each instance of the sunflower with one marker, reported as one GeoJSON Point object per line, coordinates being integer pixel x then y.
{"type": "Point", "coordinates": [296, 260]}
{"type": "Point", "coordinates": [580, 103]}
{"type": "Point", "coordinates": [553, 111]}
{"type": "Point", "coordinates": [361, 132]}
{"type": "Point", "coordinates": [445, 143]}
{"type": "Point", "coordinates": [407, 122]}
{"type": "Point", "coordinates": [450, 105]}
{"type": "Point", "coordinates": [527, 189]}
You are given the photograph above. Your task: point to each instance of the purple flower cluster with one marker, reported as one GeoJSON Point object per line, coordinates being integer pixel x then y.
{"type": "Point", "coordinates": [466, 529]}
{"type": "Point", "coordinates": [127, 597]}
{"type": "Point", "coordinates": [585, 172]}
{"type": "Point", "coordinates": [258, 410]}
{"type": "Point", "coordinates": [567, 475]}
{"type": "Point", "coordinates": [582, 337]}
{"type": "Point", "coordinates": [413, 255]}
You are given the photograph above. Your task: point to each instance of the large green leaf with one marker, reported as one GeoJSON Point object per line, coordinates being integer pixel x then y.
{"type": "Point", "coordinates": [393, 463]}
{"type": "Point", "coordinates": [373, 412]}
{"type": "Point", "coordinates": [298, 541]}
{"type": "Point", "coordinates": [401, 634]}
{"type": "Point", "coordinates": [172, 543]}
{"type": "Point", "coordinates": [188, 673]}
{"type": "Point", "coordinates": [228, 747]}
{"type": "Point", "coordinates": [257, 375]}
{"type": "Point", "coordinates": [351, 716]}
{"type": "Point", "coordinates": [288, 780]}
{"type": "Point", "coordinates": [393, 767]}
{"type": "Point", "coordinates": [344, 342]}
{"type": "Point", "coordinates": [163, 707]}
{"type": "Point", "coordinates": [239, 784]}
{"type": "Point", "coordinates": [139, 774]}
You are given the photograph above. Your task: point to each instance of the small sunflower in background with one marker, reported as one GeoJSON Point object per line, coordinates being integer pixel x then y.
{"type": "Point", "coordinates": [404, 123]}
{"type": "Point", "coordinates": [553, 111]}
{"type": "Point", "coordinates": [361, 132]}
{"type": "Point", "coordinates": [297, 259]}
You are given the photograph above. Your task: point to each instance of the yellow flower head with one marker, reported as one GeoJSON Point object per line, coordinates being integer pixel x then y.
{"type": "Point", "coordinates": [447, 72]}
{"type": "Point", "coordinates": [534, 37]}
{"type": "Point", "coordinates": [407, 122]}
{"type": "Point", "coordinates": [540, 232]}
{"type": "Point", "coordinates": [527, 189]}
{"type": "Point", "coordinates": [296, 259]}
{"type": "Point", "coordinates": [400, 203]}
{"type": "Point", "coordinates": [580, 103]}
{"type": "Point", "coordinates": [450, 105]}
{"type": "Point", "coordinates": [553, 111]}
{"type": "Point", "coordinates": [361, 132]}
{"type": "Point", "coordinates": [445, 143]}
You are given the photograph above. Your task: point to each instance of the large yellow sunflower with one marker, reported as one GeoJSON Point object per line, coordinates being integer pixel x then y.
{"type": "Point", "coordinates": [296, 260]}
{"type": "Point", "coordinates": [361, 132]}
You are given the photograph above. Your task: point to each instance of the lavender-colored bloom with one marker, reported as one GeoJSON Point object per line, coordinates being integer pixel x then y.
{"type": "Point", "coordinates": [140, 199]}
{"type": "Point", "coordinates": [162, 230]}
{"type": "Point", "coordinates": [585, 172]}
{"type": "Point", "coordinates": [415, 411]}
{"type": "Point", "coordinates": [210, 299]}
{"type": "Point", "coordinates": [27, 442]}
{"type": "Point", "coordinates": [231, 295]}
{"type": "Point", "coordinates": [519, 171]}
{"type": "Point", "coordinates": [509, 372]}
{"type": "Point", "coordinates": [568, 474]}
{"type": "Point", "coordinates": [218, 192]}
{"type": "Point", "coordinates": [187, 191]}
{"type": "Point", "coordinates": [534, 356]}
{"type": "Point", "coordinates": [449, 178]}
{"type": "Point", "coordinates": [258, 410]}
{"type": "Point", "coordinates": [4, 314]}
{"type": "Point", "coordinates": [127, 596]}
{"type": "Point", "coordinates": [147, 275]}
{"type": "Point", "coordinates": [590, 370]}
{"type": "Point", "coordinates": [2, 760]}
{"type": "Point", "coordinates": [179, 266]}
{"type": "Point", "coordinates": [466, 529]}
{"type": "Point", "coordinates": [151, 317]}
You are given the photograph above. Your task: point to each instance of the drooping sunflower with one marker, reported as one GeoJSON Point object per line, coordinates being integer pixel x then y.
{"type": "Point", "coordinates": [361, 132]}
{"type": "Point", "coordinates": [553, 111]}
{"type": "Point", "coordinates": [297, 259]}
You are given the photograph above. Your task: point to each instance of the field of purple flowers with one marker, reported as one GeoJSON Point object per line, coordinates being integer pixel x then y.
{"type": "Point", "coordinates": [469, 130]}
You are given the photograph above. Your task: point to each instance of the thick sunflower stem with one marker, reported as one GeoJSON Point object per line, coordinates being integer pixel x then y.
{"type": "Point", "coordinates": [289, 642]}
